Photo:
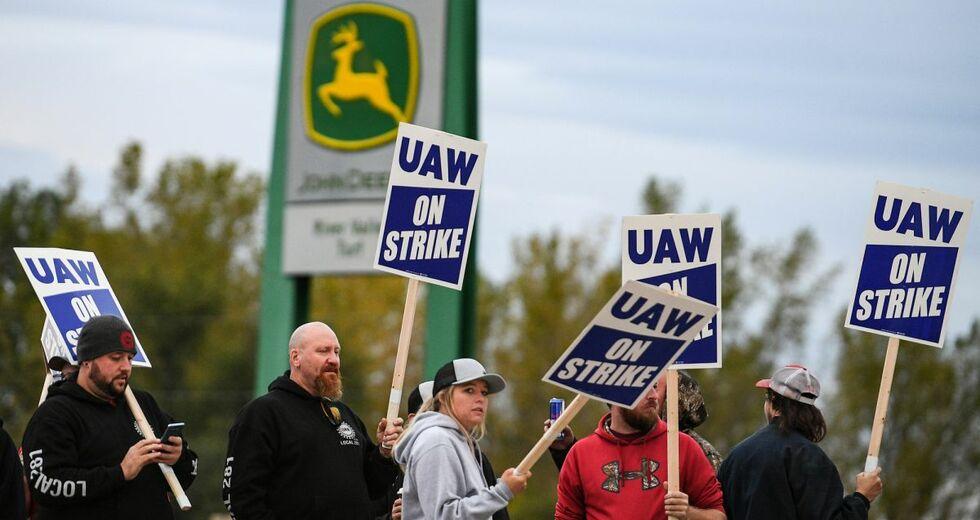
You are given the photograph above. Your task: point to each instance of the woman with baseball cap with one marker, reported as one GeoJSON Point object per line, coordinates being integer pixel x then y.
{"type": "Point", "coordinates": [441, 454]}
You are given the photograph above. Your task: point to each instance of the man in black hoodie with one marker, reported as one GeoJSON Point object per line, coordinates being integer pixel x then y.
{"type": "Point", "coordinates": [780, 473]}
{"type": "Point", "coordinates": [83, 454]}
{"type": "Point", "coordinates": [297, 452]}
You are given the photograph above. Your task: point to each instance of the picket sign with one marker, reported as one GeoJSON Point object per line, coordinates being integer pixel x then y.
{"type": "Point", "coordinates": [73, 288]}
{"type": "Point", "coordinates": [682, 254]}
{"type": "Point", "coordinates": [48, 379]}
{"type": "Point", "coordinates": [427, 225]}
{"type": "Point", "coordinates": [908, 272]}
{"type": "Point", "coordinates": [625, 348]}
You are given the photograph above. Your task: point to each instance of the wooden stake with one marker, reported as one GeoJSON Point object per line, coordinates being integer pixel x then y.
{"type": "Point", "coordinates": [48, 379]}
{"type": "Point", "coordinates": [673, 462]}
{"type": "Point", "coordinates": [881, 409]}
{"type": "Point", "coordinates": [401, 358]}
{"type": "Point", "coordinates": [147, 431]}
{"type": "Point", "coordinates": [549, 436]}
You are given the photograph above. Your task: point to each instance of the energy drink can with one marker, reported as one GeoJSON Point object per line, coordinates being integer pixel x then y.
{"type": "Point", "coordinates": [556, 407]}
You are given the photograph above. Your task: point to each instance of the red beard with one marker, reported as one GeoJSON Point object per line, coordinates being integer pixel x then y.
{"type": "Point", "coordinates": [330, 385]}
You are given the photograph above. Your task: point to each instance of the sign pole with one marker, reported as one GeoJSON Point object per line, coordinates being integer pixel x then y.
{"type": "Point", "coordinates": [48, 379]}
{"type": "Point", "coordinates": [401, 358]}
{"type": "Point", "coordinates": [881, 409]}
{"type": "Point", "coordinates": [147, 431]}
{"type": "Point", "coordinates": [673, 465]}
{"type": "Point", "coordinates": [549, 436]}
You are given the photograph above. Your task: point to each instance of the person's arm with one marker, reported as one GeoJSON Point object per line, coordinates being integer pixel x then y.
{"type": "Point", "coordinates": [571, 499]}
{"type": "Point", "coordinates": [379, 468]}
{"type": "Point", "coordinates": [700, 496]}
{"type": "Point", "coordinates": [249, 465]}
{"type": "Point", "coordinates": [185, 463]}
{"type": "Point", "coordinates": [817, 485]}
{"type": "Point", "coordinates": [559, 448]}
{"type": "Point", "coordinates": [54, 472]}
{"type": "Point", "coordinates": [437, 475]}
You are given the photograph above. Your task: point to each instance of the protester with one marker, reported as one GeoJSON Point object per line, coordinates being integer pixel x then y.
{"type": "Point", "coordinates": [691, 410]}
{"type": "Point", "coordinates": [83, 454]}
{"type": "Point", "coordinates": [12, 504]}
{"type": "Point", "coordinates": [780, 472]}
{"type": "Point", "coordinates": [441, 454]}
{"type": "Point", "coordinates": [297, 452]}
{"type": "Point", "coordinates": [620, 471]}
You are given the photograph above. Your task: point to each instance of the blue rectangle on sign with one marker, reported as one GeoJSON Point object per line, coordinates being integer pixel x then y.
{"type": "Point", "coordinates": [425, 231]}
{"type": "Point", "coordinates": [904, 290]}
{"type": "Point", "coordinates": [71, 310]}
{"type": "Point", "coordinates": [614, 365]}
{"type": "Point", "coordinates": [699, 283]}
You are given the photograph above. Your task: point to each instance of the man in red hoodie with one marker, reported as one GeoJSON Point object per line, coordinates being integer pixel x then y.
{"type": "Point", "coordinates": [620, 472]}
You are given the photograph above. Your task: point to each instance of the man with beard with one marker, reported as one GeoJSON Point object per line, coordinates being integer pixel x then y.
{"type": "Point", "coordinates": [83, 454]}
{"type": "Point", "coordinates": [297, 452]}
{"type": "Point", "coordinates": [620, 471]}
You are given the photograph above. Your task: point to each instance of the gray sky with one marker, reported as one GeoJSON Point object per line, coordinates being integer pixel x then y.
{"type": "Point", "coordinates": [786, 111]}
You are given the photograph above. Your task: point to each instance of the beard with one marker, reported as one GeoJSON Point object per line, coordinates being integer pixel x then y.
{"type": "Point", "coordinates": [330, 385]}
{"type": "Point", "coordinates": [640, 420]}
{"type": "Point", "coordinates": [105, 384]}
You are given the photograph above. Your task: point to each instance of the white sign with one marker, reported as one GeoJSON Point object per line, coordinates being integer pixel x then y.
{"type": "Point", "coordinates": [624, 349]}
{"type": "Point", "coordinates": [72, 288]}
{"type": "Point", "coordinates": [433, 191]}
{"type": "Point", "coordinates": [680, 253]}
{"type": "Point", "coordinates": [908, 269]}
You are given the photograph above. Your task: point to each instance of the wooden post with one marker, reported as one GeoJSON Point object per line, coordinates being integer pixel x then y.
{"type": "Point", "coordinates": [48, 379]}
{"type": "Point", "coordinates": [401, 358]}
{"type": "Point", "coordinates": [881, 409]}
{"type": "Point", "coordinates": [673, 463]}
{"type": "Point", "coordinates": [549, 436]}
{"type": "Point", "coordinates": [147, 431]}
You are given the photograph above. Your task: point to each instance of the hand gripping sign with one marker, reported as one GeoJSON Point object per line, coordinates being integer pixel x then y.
{"type": "Point", "coordinates": [427, 225]}
{"type": "Point", "coordinates": [907, 275]}
{"type": "Point", "coordinates": [623, 351]}
{"type": "Point", "coordinates": [680, 253]}
{"type": "Point", "coordinates": [73, 288]}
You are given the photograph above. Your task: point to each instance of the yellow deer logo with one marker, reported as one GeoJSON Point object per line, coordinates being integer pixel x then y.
{"type": "Point", "coordinates": [348, 85]}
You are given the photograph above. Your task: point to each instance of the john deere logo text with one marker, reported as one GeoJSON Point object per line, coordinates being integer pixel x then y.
{"type": "Point", "coordinates": [361, 76]}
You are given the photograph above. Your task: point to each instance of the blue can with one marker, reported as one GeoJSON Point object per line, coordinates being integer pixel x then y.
{"type": "Point", "coordinates": [556, 407]}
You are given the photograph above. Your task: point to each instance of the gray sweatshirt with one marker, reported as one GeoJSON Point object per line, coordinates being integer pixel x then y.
{"type": "Point", "coordinates": [443, 479]}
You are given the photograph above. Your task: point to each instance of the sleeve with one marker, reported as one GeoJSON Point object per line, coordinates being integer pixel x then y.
{"type": "Point", "coordinates": [11, 479]}
{"type": "Point", "coordinates": [818, 490]}
{"type": "Point", "coordinates": [249, 463]}
{"type": "Point", "coordinates": [571, 500]}
{"type": "Point", "coordinates": [437, 473]}
{"type": "Point", "coordinates": [379, 471]}
{"type": "Point", "coordinates": [559, 455]}
{"type": "Point", "coordinates": [54, 472]}
{"type": "Point", "coordinates": [186, 466]}
{"type": "Point", "coordinates": [698, 479]}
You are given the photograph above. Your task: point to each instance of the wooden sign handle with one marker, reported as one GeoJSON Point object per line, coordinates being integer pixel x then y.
{"type": "Point", "coordinates": [147, 431]}
{"type": "Point", "coordinates": [48, 379]}
{"type": "Point", "coordinates": [881, 409]}
{"type": "Point", "coordinates": [673, 459]}
{"type": "Point", "coordinates": [401, 357]}
{"type": "Point", "coordinates": [549, 436]}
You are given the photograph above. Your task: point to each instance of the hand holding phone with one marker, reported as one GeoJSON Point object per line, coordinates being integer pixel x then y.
{"type": "Point", "coordinates": [173, 430]}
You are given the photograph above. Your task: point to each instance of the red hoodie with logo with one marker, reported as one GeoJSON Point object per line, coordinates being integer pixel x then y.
{"type": "Point", "coordinates": [606, 477]}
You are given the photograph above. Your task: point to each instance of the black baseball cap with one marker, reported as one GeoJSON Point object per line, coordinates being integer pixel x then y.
{"type": "Point", "coordinates": [104, 334]}
{"type": "Point", "coordinates": [420, 395]}
{"type": "Point", "coordinates": [464, 370]}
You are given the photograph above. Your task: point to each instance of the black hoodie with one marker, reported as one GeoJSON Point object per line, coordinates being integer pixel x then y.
{"type": "Point", "coordinates": [72, 449]}
{"type": "Point", "coordinates": [287, 459]}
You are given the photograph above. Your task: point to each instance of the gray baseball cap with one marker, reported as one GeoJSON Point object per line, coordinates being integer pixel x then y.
{"type": "Point", "coordinates": [793, 382]}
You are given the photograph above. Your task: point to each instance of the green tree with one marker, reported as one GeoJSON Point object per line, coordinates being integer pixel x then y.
{"type": "Point", "coordinates": [929, 452]}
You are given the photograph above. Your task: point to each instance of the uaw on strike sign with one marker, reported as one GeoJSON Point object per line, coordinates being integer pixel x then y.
{"type": "Point", "coordinates": [432, 195]}
{"type": "Point", "coordinates": [625, 348]}
{"type": "Point", "coordinates": [72, 288]}
{"type": "Point", "coordinates": [909, 265]}
{"type": "Point", "coordinates": [680, 253]}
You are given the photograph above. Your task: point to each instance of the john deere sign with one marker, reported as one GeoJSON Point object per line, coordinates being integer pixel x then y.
{"type": "Point", "coordinates": [362, 76]}
{"type": "Point", "coordinates": [358, 69]}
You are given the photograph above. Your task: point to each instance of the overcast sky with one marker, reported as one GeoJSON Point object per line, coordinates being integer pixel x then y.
{"type": "Point", "coordinates": [785, 111]}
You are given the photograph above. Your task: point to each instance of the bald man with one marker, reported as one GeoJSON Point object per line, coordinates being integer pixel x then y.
{"type": "Point", "coordinates": [298, 452]}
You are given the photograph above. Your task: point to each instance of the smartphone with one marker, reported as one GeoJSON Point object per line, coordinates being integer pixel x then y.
{"type": "Point", "coordinates": [173, 429]}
